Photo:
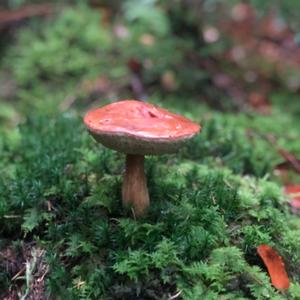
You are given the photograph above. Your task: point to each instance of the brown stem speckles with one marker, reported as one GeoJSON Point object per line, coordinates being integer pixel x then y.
{"type": "Point", "coordinates": [134, 190]}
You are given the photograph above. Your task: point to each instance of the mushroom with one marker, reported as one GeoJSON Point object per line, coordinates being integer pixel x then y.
{"type": "Point", "coordinates": [137, 129]}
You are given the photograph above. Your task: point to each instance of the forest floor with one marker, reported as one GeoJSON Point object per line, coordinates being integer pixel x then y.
{"type": "Point", "coordinates": [63, 230]}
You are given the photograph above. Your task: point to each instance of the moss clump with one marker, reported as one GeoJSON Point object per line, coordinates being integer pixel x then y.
{"type": "Point", "coordinates": [198, 239]}
{"type": "Point", "coordinates": [47, 57]}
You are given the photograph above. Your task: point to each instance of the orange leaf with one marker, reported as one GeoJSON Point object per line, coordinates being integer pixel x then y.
{"type": "Point", "coordinates": [275, 266]}
{"type": "Point", "coordinates": [294, 191]}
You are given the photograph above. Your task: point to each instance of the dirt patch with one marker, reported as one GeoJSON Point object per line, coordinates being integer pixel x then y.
{"type": "Point", "coordinates": [26, 267]}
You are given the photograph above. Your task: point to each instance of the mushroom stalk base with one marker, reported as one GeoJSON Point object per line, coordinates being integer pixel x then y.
{"type": "Point", "coordinates": [134, 189]}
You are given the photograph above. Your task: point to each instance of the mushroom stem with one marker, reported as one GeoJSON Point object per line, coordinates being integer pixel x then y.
{"type": "Point", "coordinates": [134, 189]}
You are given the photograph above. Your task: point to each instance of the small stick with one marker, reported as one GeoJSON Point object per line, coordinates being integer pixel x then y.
{"type": "Point", "coordinates": [175, 296]}
{"type": "Point", "coordinates": [19, 273]}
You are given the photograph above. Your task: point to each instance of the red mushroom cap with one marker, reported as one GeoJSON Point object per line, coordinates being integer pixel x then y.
{"type": "Point", "coordinates": [136, 127]}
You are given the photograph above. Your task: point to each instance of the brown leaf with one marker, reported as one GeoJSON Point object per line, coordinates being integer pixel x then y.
{"type": "Point", "coordinates": [275, 266]}
{"type": "Point", "coordinates": [294, 191]}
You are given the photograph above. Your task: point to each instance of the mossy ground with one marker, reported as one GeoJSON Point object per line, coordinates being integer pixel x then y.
{"type": "Point", "coordinates": [212, 203]}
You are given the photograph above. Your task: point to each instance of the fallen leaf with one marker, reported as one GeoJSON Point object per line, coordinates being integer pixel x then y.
{"type": "Point", "coordinates": [275, 266]}
{"type": "Point", "coordinates": [294, 191]}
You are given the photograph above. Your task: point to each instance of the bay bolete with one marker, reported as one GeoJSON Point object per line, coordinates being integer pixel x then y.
{"type": "Point", "coordinates": [137, 129]}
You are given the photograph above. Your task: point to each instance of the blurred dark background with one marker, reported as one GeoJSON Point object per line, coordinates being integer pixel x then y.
{"type": "Point", "coordinates": [228, 55]}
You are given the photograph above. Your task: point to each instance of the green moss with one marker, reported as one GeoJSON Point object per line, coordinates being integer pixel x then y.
{"type": "Point", "coordinates": [47, 57]}
{"type": "Point", "coordinates": [212, 203]}
{"type": "Point", "coordinates": [199, 237]}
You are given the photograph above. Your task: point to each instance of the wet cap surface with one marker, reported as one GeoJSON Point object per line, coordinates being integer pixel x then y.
{"type": "Point", "coordinates": [139, 120]}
